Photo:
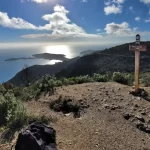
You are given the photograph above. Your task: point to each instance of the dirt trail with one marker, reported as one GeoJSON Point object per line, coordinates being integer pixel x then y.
{"type": "Point", "coordinates": [102, 126]}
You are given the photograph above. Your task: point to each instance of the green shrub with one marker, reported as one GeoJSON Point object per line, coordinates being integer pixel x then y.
{"type": "Point", "coordinates": [129, 78]}
{"type": "Point", "coordinates": [64, 105]}
{"type": "Point", "coordinates": [45, 84]}
{"type": "Point", "coordinates": [100, 78]}
{"type": "Point", "coordinates": [145, 79]}
{"type": "Point", "coordinates": [2, 89]}
{"type": "Point", "coordinates": [11, 110]}
{"type": "Point", "coordinates": [65, 81]}
{"type": "Point", "coordinates": [83, 79]}
{"type": "Point", "coordinates": [120, 78]}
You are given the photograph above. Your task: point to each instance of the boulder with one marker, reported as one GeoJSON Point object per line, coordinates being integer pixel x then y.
{"type": "Point", "coordinates": [37, 136]}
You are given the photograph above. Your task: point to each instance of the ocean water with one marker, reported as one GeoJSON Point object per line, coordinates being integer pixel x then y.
{"type": "Point", "coordinates": [8, 69]}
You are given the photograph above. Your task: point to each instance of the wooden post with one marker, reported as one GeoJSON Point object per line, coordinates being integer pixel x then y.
{"type": "Point", "coordinates": [137, 47]}
{"type": "Point", "coordinates": [137, 68]}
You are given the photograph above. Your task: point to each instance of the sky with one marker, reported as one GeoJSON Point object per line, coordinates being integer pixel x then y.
{"type": "Point", "coordinates": [73, 21]}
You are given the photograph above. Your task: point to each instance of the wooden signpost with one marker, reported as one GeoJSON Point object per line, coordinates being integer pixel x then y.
{"type": "Point", "coordinates": [137, 47]}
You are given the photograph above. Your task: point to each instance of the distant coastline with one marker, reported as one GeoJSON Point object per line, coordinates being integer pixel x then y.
{"type": "Point", "coordinates": [46, 56]}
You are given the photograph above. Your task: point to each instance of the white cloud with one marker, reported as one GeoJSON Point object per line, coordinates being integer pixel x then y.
{"type": "Point", "coordinates": [36, 1]}
{"type": "Point", "coordinates": [118, 1]}
{"type": "Point", "coordinates": [107, 3]}
{"type": "Point", "coordinates": [98, 30]}
{"type": "Point", "coordinates": [131, 8]}
{"type": "Point", "coordinates": [40, 1]}
{"type": "Point", "coordinates": [58, 23]}
{"type": "Point", "coordinates": [17, 23]}
{"type": "Point", "coordinates": [148, 20]}
{"type": "Point", "coordinates": [145, 1]}
{"type": "Point", "coordinates": [118, 29]}
{"type": "Point", "coordinates": [84, 1]}
{"type": "Point", "coordinates": [137, 18]}
{"type": "Point", "coordinates": [112, 9]}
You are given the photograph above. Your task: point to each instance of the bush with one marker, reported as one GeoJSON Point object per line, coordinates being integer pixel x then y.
{"type": "Point", "coordinates": [130, 79]}
{"type": "Point", "coordinates": [83, 79]}
{"type": "Point", "coordinates": [100, 78]}
{"type": "Point", "coordinates": [64, 105]}
{"type": "Point", "coordinates": [12, 111]}
{"type": "Point", "coordinates": [145, 79]}
{"type": "Point", "coordinates": [120, 78]}
{"type": "Point", "coordinates": [45, 84]}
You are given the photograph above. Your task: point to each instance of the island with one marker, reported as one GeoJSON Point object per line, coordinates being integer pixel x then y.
{"type": "Point", "coordinates": [46, 56]}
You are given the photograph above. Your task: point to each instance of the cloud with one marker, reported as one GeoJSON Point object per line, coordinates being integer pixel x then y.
{"type": "Point", "coordinates": [137, 18]}
{"type": "Point", "coordinates": [118, 1]}
{"type": "Point", "coordinates": [145, 1]}
{"type": "Point", "coordinates": [58, 24]}
{"type": "Point", "coordinates": [148, 20]}
{"type": "Point", "coordinates": [84, 1]}
{"type": "Point", "coordinates": [36, 1]}
{"type": "Point", "coordinates": [118, 29]}
{"type": "Point", "coordinates": [40, 1]}
{"type": "Point", "coordinates": [17, 23]}
{"type": "Point", "coordinates": [112, 9]}
{"type": "Point", "coordinates": [131, 8]}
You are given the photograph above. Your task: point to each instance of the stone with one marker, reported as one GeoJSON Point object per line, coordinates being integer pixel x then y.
{"type": "Point", "coordinates": [37, 136]}
{"type": "Point", "coordinates": [106, 106]}
{"type": "Point", "coordinates": [140, 118]}
{"type": "Point", "coordinates": [127, 116]}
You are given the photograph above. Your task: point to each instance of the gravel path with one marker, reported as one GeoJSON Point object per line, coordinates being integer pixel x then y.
{"type": "Point", "coordinates": [102, 125]}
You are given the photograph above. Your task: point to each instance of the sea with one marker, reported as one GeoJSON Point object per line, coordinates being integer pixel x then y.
{"type": "Point", "coordinates": [9, 69]}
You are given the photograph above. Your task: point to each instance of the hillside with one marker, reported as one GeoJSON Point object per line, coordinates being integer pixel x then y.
{"type": "Point", "coordinates": [102, 123]}
{"type": "Point", "coordinates": [35, 72]}
{"type": "Point", "coordinates": [117, 58]}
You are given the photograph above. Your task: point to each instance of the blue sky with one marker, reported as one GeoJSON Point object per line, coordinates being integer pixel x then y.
{"type": "Point", "coordinates": [75, 21]}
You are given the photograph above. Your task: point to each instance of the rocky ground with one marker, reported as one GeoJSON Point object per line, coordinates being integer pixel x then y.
{"type": "Point", "coordinates": [111, 118]}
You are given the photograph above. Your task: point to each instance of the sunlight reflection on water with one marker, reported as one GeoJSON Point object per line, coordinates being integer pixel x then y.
{"type": "Point", "coordinates": [59, 49]}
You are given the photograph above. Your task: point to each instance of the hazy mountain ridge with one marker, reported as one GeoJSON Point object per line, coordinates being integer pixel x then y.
{"type": "Point", "coordinates": [47, 56]}
{"type": "Point", "coordinates": [117, 58]}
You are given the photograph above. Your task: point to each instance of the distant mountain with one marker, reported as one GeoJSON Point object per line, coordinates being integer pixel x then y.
{"type": "Point", "coordinates": [117, 58]}
{"type": "Point", "coordinates": [41, 56]}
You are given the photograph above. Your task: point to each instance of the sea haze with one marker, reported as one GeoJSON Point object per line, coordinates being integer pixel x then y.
{"type": "Point", "coordinates": [9, 68]}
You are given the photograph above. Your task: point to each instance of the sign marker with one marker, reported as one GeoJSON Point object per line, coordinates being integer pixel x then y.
{"type": "Point", "coordinates": [137, 47]}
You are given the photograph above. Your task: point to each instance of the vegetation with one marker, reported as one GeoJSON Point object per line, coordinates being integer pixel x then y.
{"type": "Point", "coordinates": [123, 78]}
{"type": "Point", "coordinates": [66, 105]}
{"type": "Point", "coordinates": [48, 84]}
{"type": "Point", "coordinates": [13, 114]}
{"type": "Point", "coordinates": [145, 79]}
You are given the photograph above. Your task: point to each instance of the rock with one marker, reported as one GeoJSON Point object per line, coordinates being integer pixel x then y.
{"type": "Point", "coordinates": [115, 107]}
{"type": "Point", "coordinates": [127, 116]}
{"type": "Point", "coordinates": [37, 137]}
{"type": "Point", "coordinates": [106, 106]}
{"type": "Point", "coordinates": [139, 98]}
{"type": "Point", "coordinates": [140, 118]}
{"type": "Point", "coordinates": [136, 105]}
{"type": "Point", "coordinates": [142, 127]}
{"type": "Point", "coordinates": [143, 113]}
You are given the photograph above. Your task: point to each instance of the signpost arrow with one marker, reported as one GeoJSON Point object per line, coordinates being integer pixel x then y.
{"type": "Point", "coordinates": [137, 47]}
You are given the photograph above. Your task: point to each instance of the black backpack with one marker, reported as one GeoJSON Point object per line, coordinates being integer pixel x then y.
{"type": "Point", "coordinates": [37, 137]}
